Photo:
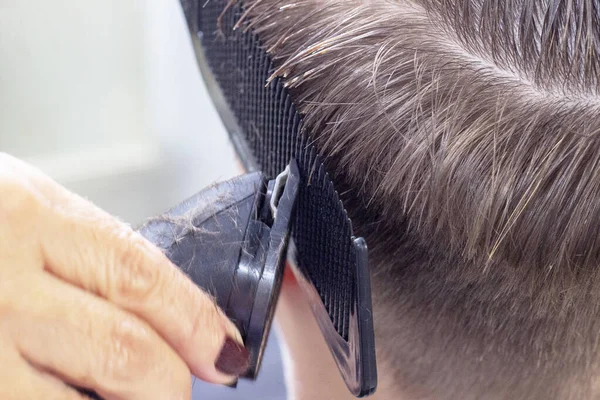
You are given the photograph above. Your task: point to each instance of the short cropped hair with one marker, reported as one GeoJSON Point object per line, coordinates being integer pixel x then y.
{"type": "Point", "coordinates": [466, 137]}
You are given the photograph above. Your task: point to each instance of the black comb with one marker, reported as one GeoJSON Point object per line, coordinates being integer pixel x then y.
{"type": "Point", "coordinates": [267, 132]}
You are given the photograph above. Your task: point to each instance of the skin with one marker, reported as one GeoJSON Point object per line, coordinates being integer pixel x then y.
{"type": "Point", "coordinates": [87, 301]}
{"type": "Point", "coordinates": [311, 370]}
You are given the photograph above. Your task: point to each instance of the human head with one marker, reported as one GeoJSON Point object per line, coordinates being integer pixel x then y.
{"type": "Point", "coordinates": [464, 136]}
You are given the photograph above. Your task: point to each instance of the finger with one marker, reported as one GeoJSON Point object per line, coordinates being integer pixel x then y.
{"type": "Point", "coordinates": [35, 384]}
{"type": "Point", "coordinates": [19, 380]}
{"type": "Point", "coordinates": [90, 343]}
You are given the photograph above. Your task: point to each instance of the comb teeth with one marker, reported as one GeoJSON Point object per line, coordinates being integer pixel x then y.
{"type": "Point", "coordinates": [272, 127]}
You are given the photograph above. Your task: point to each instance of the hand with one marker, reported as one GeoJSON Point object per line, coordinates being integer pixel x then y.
{"type": "Point", "coordinates": [85, 301]}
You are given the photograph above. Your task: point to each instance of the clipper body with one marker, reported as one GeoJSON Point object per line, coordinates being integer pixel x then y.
{"type": "Point", "coordinates": [231, 240]}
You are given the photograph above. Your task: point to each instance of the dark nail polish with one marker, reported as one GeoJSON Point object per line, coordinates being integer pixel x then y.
{"type": "Point", "coordinates": [89, 393]}
{"type": "Point", "coordinates": [234, 359]}
{"type": "Point", "coordinates": [233, 385]}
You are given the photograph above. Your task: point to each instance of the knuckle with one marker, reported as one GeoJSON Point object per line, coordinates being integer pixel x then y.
{"type": "Point", "coordinates": [134, 277]}
{"type": "Point", "coordinates": [17, 200]}
{"type": "Point", "coordinates": [130, 351]}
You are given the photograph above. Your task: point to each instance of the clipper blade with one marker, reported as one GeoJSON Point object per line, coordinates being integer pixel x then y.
{"type": "Point", "coordinates": [267, 131]}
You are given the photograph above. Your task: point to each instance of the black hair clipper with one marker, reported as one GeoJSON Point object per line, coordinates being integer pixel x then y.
{"type": "Point", "coordinates": [233, 238]}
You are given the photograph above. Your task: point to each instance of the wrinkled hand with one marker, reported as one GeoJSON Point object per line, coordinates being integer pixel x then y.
{"type": "Point", "coordinates": [87, 301]}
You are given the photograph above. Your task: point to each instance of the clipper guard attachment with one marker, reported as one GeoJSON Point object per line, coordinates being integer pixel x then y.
{"type": "Point", "coordinates": [231, 239]}
{"type": "Point", "coordinates": [329, 262]}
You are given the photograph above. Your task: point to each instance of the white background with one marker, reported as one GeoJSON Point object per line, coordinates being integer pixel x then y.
{"type": "Point", "coordinates": [105, 96]}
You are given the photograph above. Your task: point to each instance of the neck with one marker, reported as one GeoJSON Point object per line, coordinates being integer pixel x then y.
{"type": "Point", "coordinates": [311, 372]}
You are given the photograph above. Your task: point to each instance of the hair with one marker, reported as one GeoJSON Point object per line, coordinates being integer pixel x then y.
{"type": "Point", "coordinates": [466, 136]}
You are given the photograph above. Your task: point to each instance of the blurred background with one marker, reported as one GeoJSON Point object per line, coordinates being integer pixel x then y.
{"type": "Point", "coordinates": [105, 97]}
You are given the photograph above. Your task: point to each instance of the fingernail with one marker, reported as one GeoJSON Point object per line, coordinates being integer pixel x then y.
{"type": "Point", "coordinates": [89, 393]}
{"type": "Point", "coordinates": [234, 359]}
{"type": "Point", "coordinates": [233, 384]}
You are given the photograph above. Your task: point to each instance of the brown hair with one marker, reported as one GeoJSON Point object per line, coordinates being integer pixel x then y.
{"type": "Point", "coordinates": [467, 135]}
